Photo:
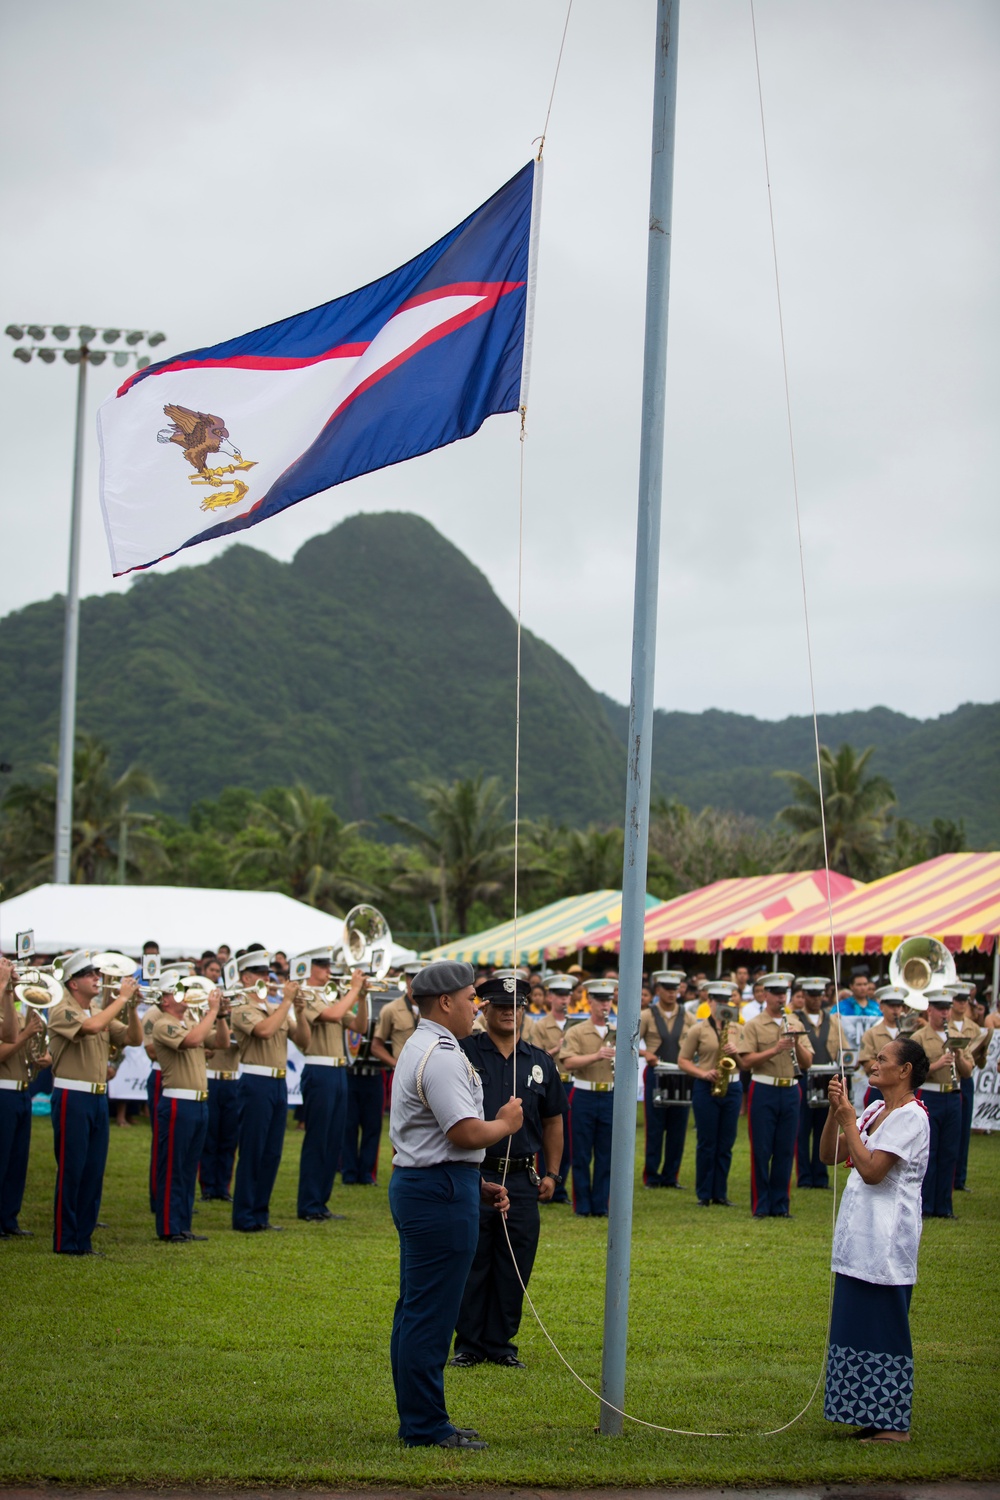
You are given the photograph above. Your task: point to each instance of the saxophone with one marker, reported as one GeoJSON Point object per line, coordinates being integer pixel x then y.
{"type": "Point", "coordinates": [726, 1065]}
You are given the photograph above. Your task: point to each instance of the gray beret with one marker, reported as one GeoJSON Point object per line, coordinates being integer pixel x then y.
{"type": "Point", "coordinates": [442, 978]}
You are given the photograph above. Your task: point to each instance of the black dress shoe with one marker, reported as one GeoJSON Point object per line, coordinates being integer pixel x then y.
{"type": "Point", "coordinates": [277, 1228]}
{"type": "Point", "coordinates": [785, 1215]}
{"type": "Point", "coordinates": [704, 1202]}
{"type": "Point", "coordinates": [100, 1255]}
{"type": "Point", "coordinates": [456, 1440]}
{"type": "Point", "coordinates": [466, 1361]}
{"type": "Point", "coordinates": [509, 1362]}
{"type": "Point", "coordinates": [311, 1219]}
{"type": "Point", "coordinates": [466, 1432]}
{"type": "Point", "coordinates": [946, 1216]}
{"type": "Point", "coordinates": [682, 1186]}
{"type": "Point", "coordinates": [760, 1216]}
{"type": "Point", "coordinates": [18, 1234]}
{"type": "Point", "coordinates": [100, 1224]}
{"type": "Point", "coordinates": [962, 1188]}
{"type": "Point", "coordinates": [724, 1202]}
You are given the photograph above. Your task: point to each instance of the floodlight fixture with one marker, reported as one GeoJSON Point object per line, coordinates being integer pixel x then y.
{"type": "Point", "coordinates": [111, 335]}
{"type": "Point", "coordinates": [35, 332]}
{"type": "Point", "coordinates": [13, 331]}
{"type": "Point", "coordinates": [47, 356]}
{"type": "Point", "coordinates": [23, 354]}
{"type": "Point", "coordinates": [121, 357]}
{"type": "Point", "coordinates": [86, 333]}
{"type": "Point", "coordinates": [60, 332]}
{"type": "Point", "coordinates": [135, 337]}
{"type": "Point", "coordinates": [141, 364]}
{"type": "Point", "coordinates": [71, 356]}
{"type": "Point", "coordinates": [156, 338]}
{"type": "Point", "coordinates": [97, 356]}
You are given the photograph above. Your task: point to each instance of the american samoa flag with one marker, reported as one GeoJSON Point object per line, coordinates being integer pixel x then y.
{"type": "Point", "coordinates": [218, 439]}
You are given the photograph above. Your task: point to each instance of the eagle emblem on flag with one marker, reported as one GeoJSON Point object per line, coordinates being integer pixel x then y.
{"type": "Point", "coordinates": [199, 433]}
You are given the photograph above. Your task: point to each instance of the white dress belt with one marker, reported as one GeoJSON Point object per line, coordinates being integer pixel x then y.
{"type": "Point", "coordinates": [215, 1073]}
{"type": "Point", "coordinates": [325, 1062]}
{"type": "Point", "coordinates": [198, 1095]}
{"type": "Point", "coordinates": [79, 1086]}
{"type": "Point", "coordinates": [938, 1088]}
{"type": "Point", "coordinates": [594, 1088]}
{"type": "Point", "coordinates": [261, 1072]}
{"type": "Point", "coordinates": [781, 1083]}
{"type": "Point", "coordinates": [18, 1085]}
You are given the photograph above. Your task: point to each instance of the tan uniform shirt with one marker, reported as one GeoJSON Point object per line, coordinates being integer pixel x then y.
{"type": "Point", "coordinates": [222, 1059]}
{"type": "Point", "coordinates": [978, 1038]}
{"type": "Point", "coordinates": [834, 1036]}
{"type": "Point", "coordinates": [649, 1036]}
{"type": "Point", "coordinates": [80, 1055]}
{"type": "Point", "coordinates": [932, 1044]}
{"type": "Point", "coordinates": [183, 1067]}
{"type": "Point", "coordinates": [327, 1038]}
{"type": "Point", "coordinates": [259, 1052]}
{"type": "Point", "coordinates": [701, 1044]}
{"type": "Point", "coordinates": [547, 1033]}
{"type": "Point", "coordinates": [396, 1024]}
{"type": "Point", "coordinates": [872, 1042]}
{"type": "Point", "coordinates": [16, 1065]}
{"type": "Point", "coordinates": [582, 1038]}
{"type": "Point", "coordinates": [761, 1033]}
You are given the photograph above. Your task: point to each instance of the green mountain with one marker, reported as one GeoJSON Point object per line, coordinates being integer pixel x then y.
{"type": "Point", "coordinates": [379, 656]}
{"type": "Point", "coordinates": [940, 768]}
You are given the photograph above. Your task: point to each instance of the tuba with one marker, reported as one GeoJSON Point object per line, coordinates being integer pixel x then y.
{"type": "Point", "coordinates": [37, 987]}
{"type": "Point", "coordinates": [366, 943]}
{"type": "Point", "coordinates": [918, 964]}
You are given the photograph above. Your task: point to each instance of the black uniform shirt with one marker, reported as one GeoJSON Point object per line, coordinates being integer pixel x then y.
{"type": "Point", "coordinates": [538, 1088]}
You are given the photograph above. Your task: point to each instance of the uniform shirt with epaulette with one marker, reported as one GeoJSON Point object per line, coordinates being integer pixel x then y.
{"type": "Point", "coordinates": [78, 1055]}
{"type": "Point", "coordinates": [531, 1074]}
{"type": "Point", "coordinates": [824, 1036]}
{"type": "Point", "coordinates": [933, 1043]}
{"type": "Point", "coordinates": [584, 1038]}
{"type": "Point", "coordinates": [873, 1040]}
{"type": "Point", "coordinates": [396, 1024]}
{"type": "Point", "coordinates": [183, 1067]}
{"type": "Point", "coordinates": [701, 1043]}
{"type": "Point", "coordinates": [327, 1039]}
{"type": "Point", "coordinates": [434, 1086]}
{"type": "Point", "coordinates": [677, 1025]}
{"type": "Point", "coordinates": [763, 1032]}
{"type": "Point", "coordinates": [259, 1051]}
{"type": "Point", "coordinates": [15, 1067]}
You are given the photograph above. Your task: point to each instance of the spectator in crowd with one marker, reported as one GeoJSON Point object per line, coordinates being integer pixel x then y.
{"type": "Point", "coordinates": [223, 953]}
{"type": "Point", "coordinates": [859, 1002]}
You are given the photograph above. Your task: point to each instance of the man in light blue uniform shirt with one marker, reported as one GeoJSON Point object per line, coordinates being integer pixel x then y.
{"type": "Point", "coordinates": [439, 1138]}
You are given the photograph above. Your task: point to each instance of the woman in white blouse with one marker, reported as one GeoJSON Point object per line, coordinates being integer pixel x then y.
{"type": "Point", "coordinates": [869, 1372]}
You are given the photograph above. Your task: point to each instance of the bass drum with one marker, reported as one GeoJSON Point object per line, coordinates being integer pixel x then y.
{"type": "Point", "coordinates": [671, 1086]}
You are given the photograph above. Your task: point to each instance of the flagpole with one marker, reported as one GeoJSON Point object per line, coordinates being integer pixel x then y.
{"type": "Point", "coordinates": [647, 563]}
{"type": "Point", "coordinates": [71, 648]}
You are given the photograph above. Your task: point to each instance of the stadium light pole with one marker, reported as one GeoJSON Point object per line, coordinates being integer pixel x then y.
{"type": "Point", "coordinates": [640, 729]}
{"type": "Point", "coordinates": [81, 355]}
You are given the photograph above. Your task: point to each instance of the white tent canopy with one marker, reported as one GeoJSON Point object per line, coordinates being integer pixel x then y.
{"type": "Point", "coordinates": [186, 921]}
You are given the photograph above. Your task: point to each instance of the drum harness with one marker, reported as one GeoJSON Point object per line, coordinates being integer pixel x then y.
{"type": "Point", "coordinates": [627, 1416]}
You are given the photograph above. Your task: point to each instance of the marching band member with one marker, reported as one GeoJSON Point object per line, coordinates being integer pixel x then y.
{"type": "Point", "coordinates": [179, 1040]}
{"type": "Point", "coordinates": [15, 1104]}
{"type": "Point", "coordinates": [490, 1314]}
{"type": "Point", "coordinates": [941, 1097]}
{"type": "Point", "coordinates": [218, 1154]}
{"type": "Point", "coordinates": [588, 1054]}
{"type": "Point", "coordinates": [365, 1106]}
{"type": "Point", "coordinates": [395, 1026]}
{"type": "Point", "coordinates": [662, 1029]}
{"type": "Point", "coordinates": [80, 1039]}
{"type": "Point", "coordinates": [827, 1042]}
{"type": "Point", "coordinates": [324, 1083]}
{"type": "Point", "coordinates": [773, 1108]}
{"type": "Point", "coordinates": [963, 1023]}
{"type": "Point", "coordinates": [547, 1033]}
{"type": "Point", "coordinates": [891, 1001]}
{"type": "Point", "coordinates": [154, 1083]}
{"type": "Point", "coordinates": [262, 1034]}
{"type": "Point", "coordinates": [716, 1109]}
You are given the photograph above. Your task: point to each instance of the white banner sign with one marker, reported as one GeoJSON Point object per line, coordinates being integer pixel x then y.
{"type": "Point", "coordinates": [986, 1106]}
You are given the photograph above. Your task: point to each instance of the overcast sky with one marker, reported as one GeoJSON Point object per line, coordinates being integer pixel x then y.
{"type": "Point", "coordinates": [212, 165]}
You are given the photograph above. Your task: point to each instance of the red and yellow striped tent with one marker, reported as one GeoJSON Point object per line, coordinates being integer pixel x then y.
{"type": "Point", "coordinates": [696, 922]}
{"type": "Point", "coordinates": [954, 898]}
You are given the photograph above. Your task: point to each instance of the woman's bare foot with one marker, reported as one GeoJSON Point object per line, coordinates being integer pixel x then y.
{"type": "Point", "coordinates": [887, 1437]}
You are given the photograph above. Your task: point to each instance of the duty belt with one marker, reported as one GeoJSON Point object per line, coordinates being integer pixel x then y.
{"type": "Point", "coordinates": [79, 1086]}
{"type": "Point", "coordinates": [516, 1163]}
{"type": "Point", "coordinates": [778, 1083]}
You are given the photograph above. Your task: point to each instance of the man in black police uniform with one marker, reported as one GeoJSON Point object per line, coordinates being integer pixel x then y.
{"type": "Point", "coordinates": [490, 1312]}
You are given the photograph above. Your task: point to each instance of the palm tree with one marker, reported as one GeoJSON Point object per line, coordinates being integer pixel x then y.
{"type": "Point", "coordinates": [109, 838]}
{"type": "Point", "coordinates": [592, 860]}
{"type": "Point", "coordinates": [857, 816]}
{"type": "Point", "coordinates": [306, 848]}
{"type": "Point", "coordinates": [468, 839]}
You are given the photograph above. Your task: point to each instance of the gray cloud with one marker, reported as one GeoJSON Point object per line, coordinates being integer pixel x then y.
{"type": "Point", "coordinates": [213, 166]}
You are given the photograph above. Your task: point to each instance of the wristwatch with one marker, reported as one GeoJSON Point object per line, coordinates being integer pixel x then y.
{"type": "Point", "coordinates": [555, 1177]}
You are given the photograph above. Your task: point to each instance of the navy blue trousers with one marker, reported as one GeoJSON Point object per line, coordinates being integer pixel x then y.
{"type": "Point", "coordinates": [968, 1105]}
{"type": "Point", "coordinates": [362, 1126]}
{"type": "Point", "coordinates": [590, 1121]}
{"type": "Point", "coordinates": [80, 1130]}
{"type": "Point", "coordinates": [945, 1114]}
{"type": "Point", "coordinates": [154, 1084]}
{"type": "Point", "coordinates": [182, 1123]}
{"type": "Point", "coordinates": [324, 1109]}
{"type": "Point", "coordinates": [492, 1302]}
{"type": "Point", "coordinates": [263, 1109]}
{"type": "Point", "coordinates": [811, 1171]}
{"type": "Point", "coordinates": [219, 1150]}
{"type": "Point", "coordinates": [436, 1214]}
{"type": "Point", "coordinates": [773, 1123]}
{"type": "Point", "coordinates": [716, 1121]}
{"type": "Point", "coordinates": [15, 1139]}
{"type": "Point", "coordinates": [666, 1132]}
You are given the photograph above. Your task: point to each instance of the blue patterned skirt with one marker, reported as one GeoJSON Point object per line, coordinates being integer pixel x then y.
{"type": "Point", "coordinates": [869, 1369]}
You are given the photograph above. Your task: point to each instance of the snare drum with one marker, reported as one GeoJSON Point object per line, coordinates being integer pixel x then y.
{"type": "Point", "coordinates": [818, 1085]}
{"type": "Point", "coordinates": [671, 1086]}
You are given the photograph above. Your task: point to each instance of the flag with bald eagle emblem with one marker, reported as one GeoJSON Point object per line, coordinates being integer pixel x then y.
{"type": "Point", "coordinates": [216, 440]}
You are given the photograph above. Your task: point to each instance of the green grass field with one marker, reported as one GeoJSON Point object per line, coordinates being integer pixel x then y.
{"type": "Point", "coordinates": [264, 1359]}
